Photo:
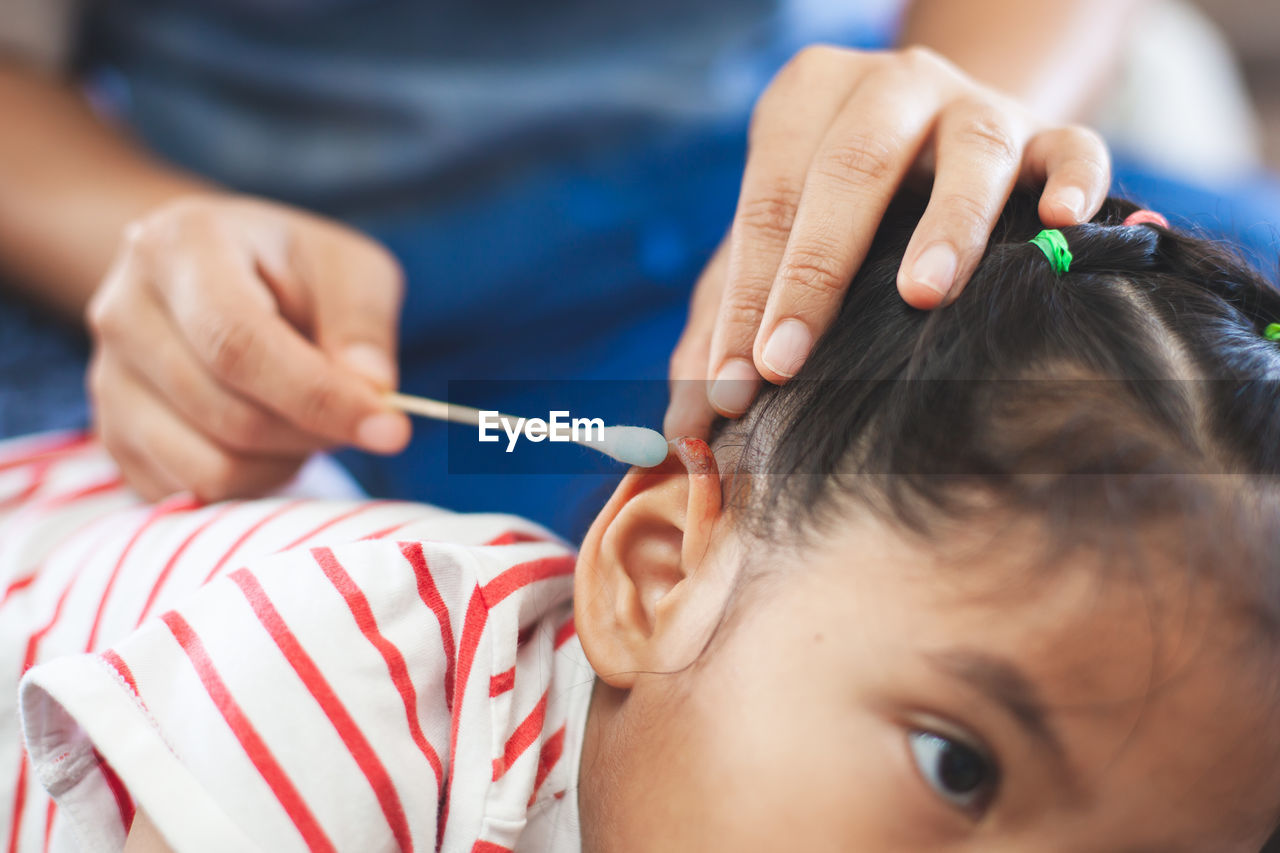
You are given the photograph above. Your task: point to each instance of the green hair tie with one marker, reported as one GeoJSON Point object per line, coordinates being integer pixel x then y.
{"type": "Point", "coordinates": [1272, 332]}
{"type": "Point", "coordinates": [1054, 246]}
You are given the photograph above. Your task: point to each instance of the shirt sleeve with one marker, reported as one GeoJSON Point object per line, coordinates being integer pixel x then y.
{"type": "Point", "coordinates": [300, 703]}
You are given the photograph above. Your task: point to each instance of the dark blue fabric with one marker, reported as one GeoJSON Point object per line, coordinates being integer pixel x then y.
{"type": "Point", "coordinates": [41, 371]}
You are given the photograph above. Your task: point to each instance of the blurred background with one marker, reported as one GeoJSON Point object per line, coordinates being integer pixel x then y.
{"type": "Point", "coordinates": [1200, 93]}
{"type": "Point", "coordinates": [1253, 31]}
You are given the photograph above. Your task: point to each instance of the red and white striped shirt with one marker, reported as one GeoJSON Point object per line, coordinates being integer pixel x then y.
{"type": "Point", "coordinates": [283, 674]}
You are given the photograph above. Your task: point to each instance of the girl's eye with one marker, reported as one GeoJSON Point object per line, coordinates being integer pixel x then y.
{"type": "Point", "coordinates": [957, 772]}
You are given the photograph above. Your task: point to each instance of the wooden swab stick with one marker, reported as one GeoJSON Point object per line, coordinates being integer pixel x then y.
{"type": "Point", "coordinates": [438, 410]}
{"type": "Point", "coordinates": [630, 445]}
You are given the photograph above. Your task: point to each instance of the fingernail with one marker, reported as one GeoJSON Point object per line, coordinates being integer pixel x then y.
{"type": "Point", "coordinates": [734, 386]}
{"type": "Point", "coordinates": [371, 363]}
{"type": "Point", "coordinates": [1072, 198]}
{"type": "Point", "coordinates": [787, 347]}
{"type": "Point", "coordinates": [936, 268]}
{"type": "Point", "coordinates": [385, 432]}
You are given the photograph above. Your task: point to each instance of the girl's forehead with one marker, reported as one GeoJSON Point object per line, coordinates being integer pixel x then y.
{"type": "Point", "coordinates": [1110, 626]}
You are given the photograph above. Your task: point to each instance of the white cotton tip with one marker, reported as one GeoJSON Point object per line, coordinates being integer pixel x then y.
{"type": "Point", "coordinates": [631, 445]}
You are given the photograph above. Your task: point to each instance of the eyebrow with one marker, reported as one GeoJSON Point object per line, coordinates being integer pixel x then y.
{"type": "Point", "coordinates": [1008, 685]}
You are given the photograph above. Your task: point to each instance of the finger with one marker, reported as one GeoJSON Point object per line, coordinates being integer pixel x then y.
{"type": "Point", "coordinates": [788, 126]}
{"type": "Point", "coordinates": [689, 412]}
{"type": "Point", "coordinates": [173, 452]}
{"type": "Point", "coordinates": [110, 401]}
{"type": "Point", "coordinates": [134, 330]}
{"type": "Point", "coordinates": [217, 301]}
{"type": "Point", "coordinates": [139, 474]}
{"type": "Point", "coordinates": [979, 155]}
{"type": "Point", "coordinates": [1075, 167]}
{"type": "Point", "coordinates": [357, 295]}
{"type": "Point", "coordinates": [854, 175]}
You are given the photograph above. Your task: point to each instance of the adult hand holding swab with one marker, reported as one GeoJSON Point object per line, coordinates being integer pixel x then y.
{"type": "Point", "coordinates": [630, 445]}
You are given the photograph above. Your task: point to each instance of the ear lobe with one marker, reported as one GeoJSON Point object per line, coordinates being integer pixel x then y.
{"type": "Point", "coordinates": [643, 585]}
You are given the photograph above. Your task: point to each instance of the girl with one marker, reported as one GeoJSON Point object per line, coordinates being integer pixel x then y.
{"type": "Point", "coordinates": [996, 577]}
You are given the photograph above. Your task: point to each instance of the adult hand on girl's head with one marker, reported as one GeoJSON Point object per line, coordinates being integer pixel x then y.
{"type": "Point", "coordinates": [832, 139]}
{"type": "Point", "coordinates": [233, 338]}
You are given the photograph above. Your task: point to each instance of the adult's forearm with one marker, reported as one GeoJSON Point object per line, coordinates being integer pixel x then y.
{"type": "Point", "coordinates": [1054, 55]}
{"type": "Point", "coordinates": [69, 183]}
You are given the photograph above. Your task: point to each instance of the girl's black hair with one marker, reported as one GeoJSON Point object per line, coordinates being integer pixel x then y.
{"type": "Point", "coordinates": [1137, 384]}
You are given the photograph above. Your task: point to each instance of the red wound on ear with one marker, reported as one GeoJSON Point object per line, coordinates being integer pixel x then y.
{"type": "Point", "coordinates": [696, 456]}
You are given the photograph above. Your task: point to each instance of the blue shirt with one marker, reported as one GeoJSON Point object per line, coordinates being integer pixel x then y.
{"type": "Point", "coordinates": [552, 174]}
{"type": "Point", "coordinates": [352, 104]}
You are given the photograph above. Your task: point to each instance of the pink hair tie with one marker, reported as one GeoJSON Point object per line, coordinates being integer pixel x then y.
{"type": "Point", "coordinates": [1146, 217]}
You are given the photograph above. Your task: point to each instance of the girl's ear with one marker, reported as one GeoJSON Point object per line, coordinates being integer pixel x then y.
{"type": "Point", "coordinates": [649, 587]}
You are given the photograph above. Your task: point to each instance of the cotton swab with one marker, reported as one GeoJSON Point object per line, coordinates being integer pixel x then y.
{"type": "Point", "coordinates": [630, 445]}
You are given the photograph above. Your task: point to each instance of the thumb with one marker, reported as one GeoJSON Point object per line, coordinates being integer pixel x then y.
{"type": "Point", "coordinates": [357, 313]}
